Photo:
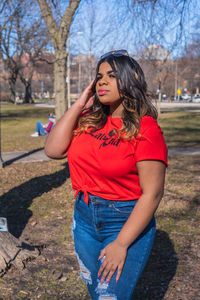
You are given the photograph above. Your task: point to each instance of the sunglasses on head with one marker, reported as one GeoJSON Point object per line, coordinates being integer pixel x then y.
{"type": "Point", "coordinates": [115, 53]}
{"type": "Point", "coordinates": [118, 53]}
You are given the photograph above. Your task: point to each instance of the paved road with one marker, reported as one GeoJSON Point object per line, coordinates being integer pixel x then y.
{"type": "Point", "coordinates": [164, 105]}
{"type": "Point", "coordinates": [39, 155]}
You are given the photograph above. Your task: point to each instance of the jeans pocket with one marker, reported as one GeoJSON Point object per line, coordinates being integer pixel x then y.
{"type": "Point", "coordinates": [122, 207]}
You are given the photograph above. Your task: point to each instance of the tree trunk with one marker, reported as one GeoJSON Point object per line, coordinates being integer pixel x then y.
{"type": "Point", "coordinates": [60, 89]}
{"type": "Point", "coordinates": [59, 36]}
{"type": "Point", "coordinates": [28, 92]}
{"type": "Point", "coordinates": [12, 81]}
{"type": "Point", "coordinates": [14, 252]}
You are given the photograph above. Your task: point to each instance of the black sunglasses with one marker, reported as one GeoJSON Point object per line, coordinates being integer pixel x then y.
{"type": "Point", "coordinates": [115, 53]}
{"type": "Point", "coordinates": [118, 53]}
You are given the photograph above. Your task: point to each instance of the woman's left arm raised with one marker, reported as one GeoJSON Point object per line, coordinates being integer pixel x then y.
{"type": "Point", "coordinates": [151, 177]}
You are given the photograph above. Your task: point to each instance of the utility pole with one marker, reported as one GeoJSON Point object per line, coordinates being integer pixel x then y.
{"type": "Point", "coordinates": [68, 67]}
{"type": "Point", "coordinates": [176, 84]}
{"type": "Point", "coordinates": [68, 75]}
{"type": "Point", "coordinates": [1, 160]}
{"type": "Point", "coordinates": [79, 77]}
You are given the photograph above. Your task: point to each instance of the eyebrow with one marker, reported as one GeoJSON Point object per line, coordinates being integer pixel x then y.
{"type": "Point", "coordinates": [108, 72]}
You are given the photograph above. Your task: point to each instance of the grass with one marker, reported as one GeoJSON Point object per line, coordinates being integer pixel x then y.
{"type": "Point", "coordinates": [18, 123]}
{"type": "Point", "coordinates": [181, 129]}
{"type": "Point", "coordinates": [37, 199]}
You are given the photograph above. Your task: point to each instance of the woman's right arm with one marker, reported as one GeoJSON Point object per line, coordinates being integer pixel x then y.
{"type": "Point", "coordinates": [58, 140]}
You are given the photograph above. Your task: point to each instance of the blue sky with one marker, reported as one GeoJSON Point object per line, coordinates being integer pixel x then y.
{"type": "Point", "coordinates": [116, 24]}
{"type": "Point", "coordinates": [113, 24]}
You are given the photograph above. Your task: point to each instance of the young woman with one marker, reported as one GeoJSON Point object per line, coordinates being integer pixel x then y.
{"type": "Point", "coordinates": [117, 158]}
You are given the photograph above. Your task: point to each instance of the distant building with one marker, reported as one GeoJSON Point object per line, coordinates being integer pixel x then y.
{"type": "Point", "coordinates": [156, 52]}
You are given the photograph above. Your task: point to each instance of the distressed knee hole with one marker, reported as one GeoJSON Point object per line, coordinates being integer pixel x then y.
{"type": "Point", "coordinates": [102, 291]}
{"type": "Point", "coordinates": [73, 223]}
{"type": "Point", "coordinates": [84, 272]}
{"type": "Point", "coordinates": [101, 286]}
{"type": "Point", "coordinates": [73, 226]}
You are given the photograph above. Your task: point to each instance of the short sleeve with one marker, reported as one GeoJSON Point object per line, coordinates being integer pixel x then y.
{"type": "Point", "coordinates": [150, 143]}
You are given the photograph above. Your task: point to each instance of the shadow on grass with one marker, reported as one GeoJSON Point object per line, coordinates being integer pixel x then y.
{"type": "Point", "coordinates": [159, 271]}
{"type": "Point", "coordinates": [24, 155]}
{"type": "Point", "coordinates": [15, 203]}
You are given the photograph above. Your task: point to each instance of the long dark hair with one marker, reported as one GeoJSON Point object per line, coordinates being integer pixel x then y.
{"type": "Point", "coordinates": [132, 88]}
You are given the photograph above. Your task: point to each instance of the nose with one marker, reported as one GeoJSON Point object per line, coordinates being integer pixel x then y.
{"type": "Point", "coordinates": [103, 81]}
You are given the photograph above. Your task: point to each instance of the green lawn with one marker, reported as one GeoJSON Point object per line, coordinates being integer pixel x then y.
{"type": "Point", "coordinates": [181, 129]}
{"type": "Point", "coordinates": [18, 123]}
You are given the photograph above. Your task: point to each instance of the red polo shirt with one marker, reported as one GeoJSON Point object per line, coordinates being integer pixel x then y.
{"type": "Point", "coordinates": [104, 165]}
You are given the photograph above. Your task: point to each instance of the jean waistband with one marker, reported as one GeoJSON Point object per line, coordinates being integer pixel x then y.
{"type": "Point", "coordinates": [93, 199]}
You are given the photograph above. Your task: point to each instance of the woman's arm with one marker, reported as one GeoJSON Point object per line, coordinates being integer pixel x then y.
{"type": "Point", "coordinates": [151, 176]}
{"type": "Point", "coordinates": [58, 140]}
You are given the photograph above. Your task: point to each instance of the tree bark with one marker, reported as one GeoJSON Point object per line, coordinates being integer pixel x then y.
{"type": "Point", "coordinates": [60, 88]}
{"type": "Point", "coordinates": [14, 252]}
{"type": "Point", "coordinates": [28, 88]}
{"type": "Point", "coordinates": [28, 93]}
{"type": "Point", "coordinates": [12, 81]}
{"type": "Point", "coordinates": [59, 36]}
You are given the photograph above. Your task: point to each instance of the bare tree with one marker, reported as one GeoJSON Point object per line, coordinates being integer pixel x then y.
{"type": "Point", "coordinates": [96, 28]}
{"type": "Point", "coordinates": [22, 35]}
{"type": "Point", "coordinates": [6, 31]}
{"type": "Point", "coordinates": [33, 40]}
{"type": "Point", "coordinates": [59, 35]}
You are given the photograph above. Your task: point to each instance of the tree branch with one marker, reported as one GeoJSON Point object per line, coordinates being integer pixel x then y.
{"type": "Point", "coordinates": [67, 19]}
{"type": "Point", "coordinates": [49, 20]}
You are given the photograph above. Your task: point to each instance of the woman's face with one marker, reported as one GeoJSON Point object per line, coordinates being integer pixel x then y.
{"type": "Point", "coordinates": [106, 86]}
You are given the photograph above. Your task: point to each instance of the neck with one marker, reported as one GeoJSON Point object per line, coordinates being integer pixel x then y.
{"type": "Point", "coordinates": [116, 110]}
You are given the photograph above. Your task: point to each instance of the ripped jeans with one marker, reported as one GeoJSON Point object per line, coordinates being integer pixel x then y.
{"type": "Point", "coordinates": [95, 226]}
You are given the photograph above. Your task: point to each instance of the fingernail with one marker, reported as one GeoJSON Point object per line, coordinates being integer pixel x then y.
{"type": "Point", "coordinates": [107, 280]}
{"type": "Point", "coordinates": [117, 279]}
{"type": "Point", "coordinates": [98, 275]}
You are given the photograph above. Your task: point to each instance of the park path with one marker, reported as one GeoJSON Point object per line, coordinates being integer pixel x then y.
{"type": "Point", "coordinates": [39, 155]}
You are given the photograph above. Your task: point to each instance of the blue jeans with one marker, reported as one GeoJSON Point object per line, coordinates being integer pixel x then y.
{"type": "Point", "coordinates": [95, 226]}
{"type": "Point", "coordinates": [39, 128]}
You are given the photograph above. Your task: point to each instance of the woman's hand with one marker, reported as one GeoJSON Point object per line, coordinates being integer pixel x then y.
{"type": "Point", "coordinates": [86, 99]}
{"type": "Point", "coordinates": [115, 256]}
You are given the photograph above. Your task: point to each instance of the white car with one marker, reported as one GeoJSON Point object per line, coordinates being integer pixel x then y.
{"type": "Point", "coordinates": [187, 97]}
{"type": "Point", "coordinates": [196, 98]}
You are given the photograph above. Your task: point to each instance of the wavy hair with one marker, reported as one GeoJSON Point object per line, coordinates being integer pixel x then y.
{"type": "Point", "coordinates": [132, 88]}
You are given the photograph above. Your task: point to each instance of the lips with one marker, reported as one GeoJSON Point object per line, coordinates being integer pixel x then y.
{"type": "Point", "coordinates": [102, 92]}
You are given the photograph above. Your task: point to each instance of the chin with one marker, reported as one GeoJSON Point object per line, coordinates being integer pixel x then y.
{"type": "Point", "coordinates": [105, 102]}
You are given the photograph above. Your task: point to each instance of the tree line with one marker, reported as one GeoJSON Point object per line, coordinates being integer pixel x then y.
{"type": "Point", "coordinates": [30, 28]}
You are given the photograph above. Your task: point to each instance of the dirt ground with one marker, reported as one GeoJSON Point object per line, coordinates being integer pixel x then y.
{"type": "Point", "coordinates": [37, 200]}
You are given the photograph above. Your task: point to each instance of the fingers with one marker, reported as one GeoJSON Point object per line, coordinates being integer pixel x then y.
{"type": "Point", "coordinates": [119, 271]}
{"type": "Point", "coordinates": [102, 254]}
{"type": "Point", "coordinates": [114, 259]}
{"type": "Point", "coordinates": [91, 83]}
{"type": "Point", "coordinates": [109, 275]}
{"type": "Point", "coordinates": [108, 271]}
{"type": "Point", "coordinates": [89, 87]}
